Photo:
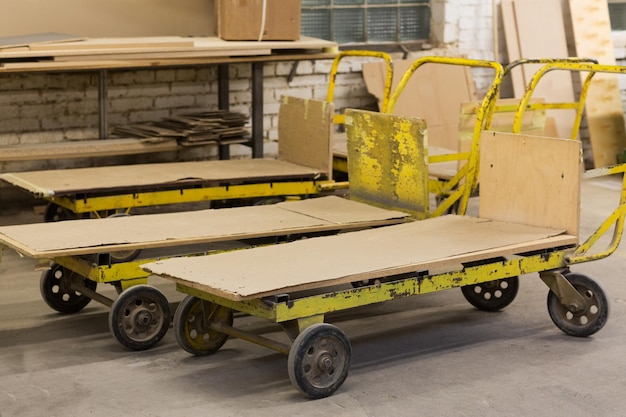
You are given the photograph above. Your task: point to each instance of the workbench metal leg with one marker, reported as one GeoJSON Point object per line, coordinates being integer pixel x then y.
{"type": "Point", "coordinates": [257, 110]}
{"type": "Point", "coordinates": [223, 101]}
{"type": "Point", "coordinates": [103, 100]}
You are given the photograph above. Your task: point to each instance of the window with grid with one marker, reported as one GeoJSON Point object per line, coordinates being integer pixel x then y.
{"type": "Point", "coordinates": [617, 13]}
{"type": "Point", "coordinates": [366, 21]}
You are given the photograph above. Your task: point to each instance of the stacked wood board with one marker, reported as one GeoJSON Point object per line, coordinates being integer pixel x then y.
{"type": "Point", "coordinates": [16, 53]}
{"type": "Point", "coordinates": [189, 129]}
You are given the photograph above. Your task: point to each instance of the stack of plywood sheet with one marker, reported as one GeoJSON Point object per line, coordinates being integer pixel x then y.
{"type": "Point", "coordinates": [542, 35]}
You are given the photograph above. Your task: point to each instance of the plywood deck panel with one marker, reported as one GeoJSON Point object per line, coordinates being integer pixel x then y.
{"type": "Point", "coordinates": [605, 116]}
{"type": "Point", "coordinates": [349, 257]}
{"type": "Point", "coordinates": [156, 176]}
{"type": "Point", "coordinates": [89, 236]}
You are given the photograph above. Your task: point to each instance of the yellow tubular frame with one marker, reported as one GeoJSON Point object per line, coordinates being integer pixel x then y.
{"type": "Point", "coordinates": [330, 95]}
{"type": "Point", "coordinates": [469, 172]}
{"type": "Point", "coordinates": [616, 219]}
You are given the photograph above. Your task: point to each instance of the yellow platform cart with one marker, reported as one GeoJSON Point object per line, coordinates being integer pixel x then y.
{"type": "Point", "coordinates": [303, 168]}
{"type": "Point", "coordinates": [527, 222]}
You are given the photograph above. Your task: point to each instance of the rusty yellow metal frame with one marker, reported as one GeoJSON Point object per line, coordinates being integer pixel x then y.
{"type": "Point", "coordinates": [300, 311]}
{"type": "Point", "coordinates": [190, 195]}
{"type": "Point", "coordinates": [330, 95]}
{"type": "Point", "coordinates": [463, 184]}
{"type": "Point", "coordinates": [615, 220]}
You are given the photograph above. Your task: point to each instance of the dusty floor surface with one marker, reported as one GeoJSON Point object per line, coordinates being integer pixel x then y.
{"type": "Point", "coordinates": [431, 355]}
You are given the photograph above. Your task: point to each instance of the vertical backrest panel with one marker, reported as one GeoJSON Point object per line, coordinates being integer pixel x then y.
{"type": "Point", "coordinates": [305, 133]}
{"type": "Point", "coordinates": [530, 180]}
{"type": "Point", "coordinates": [387, 161]}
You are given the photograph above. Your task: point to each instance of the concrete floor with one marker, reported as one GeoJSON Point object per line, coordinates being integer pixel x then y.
{"type": "Point", "coordinates": [432, 355]}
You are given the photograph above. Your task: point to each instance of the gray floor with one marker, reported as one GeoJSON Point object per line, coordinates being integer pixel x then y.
{"type": "Point", "coordinates": [432, 355]}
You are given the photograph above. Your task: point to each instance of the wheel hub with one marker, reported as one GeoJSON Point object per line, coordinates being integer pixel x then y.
{"type": "Point", "coordinates": [325, 362]}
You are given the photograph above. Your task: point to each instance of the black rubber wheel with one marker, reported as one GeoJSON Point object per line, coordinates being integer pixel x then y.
{"type": "Point", "coordinates": [191, 325]}
{"type": "Point", "coordinates": [57, 290]}
{"type": "Point", "coordinates": [319, 360]}
{"type": "Point", "coordinates": [56, 213]}
{"type": "Point", "coordinates": [585, 321]}
{"type": "Point", "coordinates": [492, 295]}
{"type": "Point", "coordinates": [139, 317]}
{"type": "Point", "coordinates": [123, 255]}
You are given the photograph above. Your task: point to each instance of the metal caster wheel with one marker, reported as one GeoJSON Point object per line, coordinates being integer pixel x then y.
{"type": "Point", "coordinates": [56, 213]}
{"type": "Point", "coordinates": [123, 255]}
{"type": "Point", "coordinates": [139, 317]}
{"type": "Point", "coordinates": [492, 295]}
{"type": "Point", "coordinates": [57, 289]}
{"type": "Point", "coordinates": [319, 360]}
{"type": "Point", "coordinates": [192, 321]}
{"type": "Point", "coordinates": [580, 321]}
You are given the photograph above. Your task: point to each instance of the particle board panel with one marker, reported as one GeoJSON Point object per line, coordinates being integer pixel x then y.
{"type": "Point", "coordinates": [90, 236]}
{"type": "Point", "coordinates": [542, 35]}
{"type": "Point", "coordinates": [531, 180]}
{"type": "Point", "coordinates": [156, 176]}
{"type": "Point", "coordinates": [605, 116]}
{"type": "Point", "coordinates": [348, 257]}
{"type": "Point", "coordinates": [305, 131]}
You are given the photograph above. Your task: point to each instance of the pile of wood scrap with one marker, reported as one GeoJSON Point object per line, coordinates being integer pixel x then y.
{"type": "Point", "coordinates": [221, 127]}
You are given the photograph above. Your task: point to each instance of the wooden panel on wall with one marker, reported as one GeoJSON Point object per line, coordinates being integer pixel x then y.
{"type": "Point", "coordinates": [109, 18]}
{"type": "Point", "coordinates": [592, 36]}
{"type": "Point", "coordinates": [542, 35]}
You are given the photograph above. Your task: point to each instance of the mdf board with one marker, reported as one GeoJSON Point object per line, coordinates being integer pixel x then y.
{"type": "Point", "coordinates": [305, 130]}
{"type": "Point", "coordinates": [89, 236]}
{"type": "Point", "coordinates": [387, 161]}
{"type": "Point", "coordinates": [530, 180]}
{"type": "Point", "coordinates": [541, 34]}
{"type": "Point", "coordinates": [605, 116]}
{"type": "Point", "coordinates": [94, 18]}
{"type": "Point", "coordinates": [433, 93]}
{"type": "Point", "coordinates": [321, 262]}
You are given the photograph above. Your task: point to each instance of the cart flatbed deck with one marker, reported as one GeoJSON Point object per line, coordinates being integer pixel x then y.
{"type": "Point", "coordinates": [363, 255]}
{"type": "Point", "coordinates": [129, 178]}
{"type": "Point", "coordinates": [92, 236]}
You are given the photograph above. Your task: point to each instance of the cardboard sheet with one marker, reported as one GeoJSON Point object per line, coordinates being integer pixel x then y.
{"type": "Point", "coordinates": [155, 176]}
{"type": "Point", "coordinates": [320, 262]}
{"type": "Point", "coordinates": [47, 240]}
